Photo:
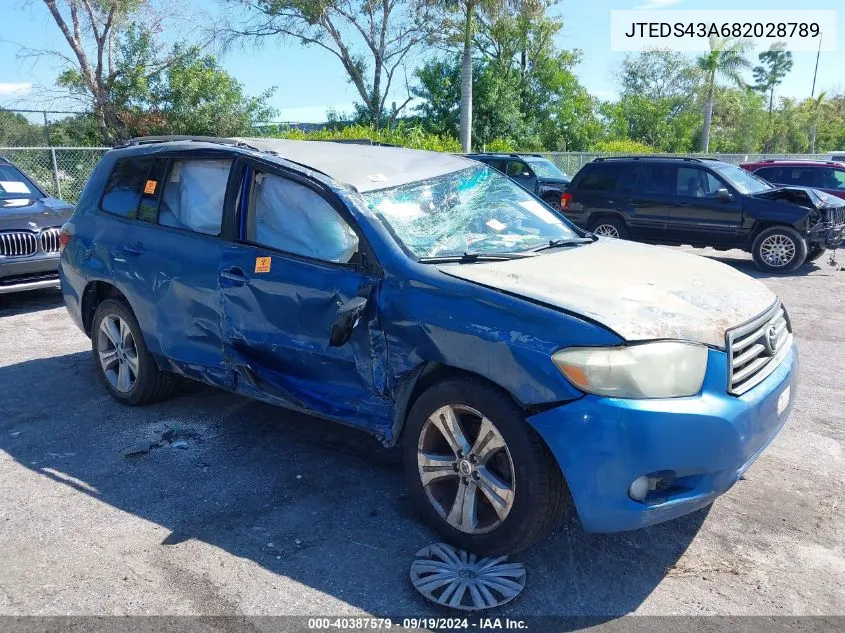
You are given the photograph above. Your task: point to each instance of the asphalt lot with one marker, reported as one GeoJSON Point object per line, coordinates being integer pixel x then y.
{"type": "Point", "coordinates": [244, 508]}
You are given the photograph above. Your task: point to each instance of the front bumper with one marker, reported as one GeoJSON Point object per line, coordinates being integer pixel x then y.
{"type": "Point", "coordinates": [706, 442]}
{"type": "Point", "coordinates": [18, 274]}
{"type": "Point", "coordinates": [829, 232]}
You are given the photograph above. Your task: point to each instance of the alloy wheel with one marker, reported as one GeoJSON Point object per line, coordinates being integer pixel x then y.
{"type": "Point", "coordinates": [777, 250]}
{"type": "Point", "coordinates": [117, 352]}
{"type": "Point", "coordinates": [466, 469]}
{"type": "Point", "coordinates": [606, 230]}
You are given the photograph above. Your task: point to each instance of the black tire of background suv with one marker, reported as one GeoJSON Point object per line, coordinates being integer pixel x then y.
{"type": "Point", "coordinates": [792, 234]}
{"type": "Point", "coordinates": [541, 496]}
{"type": "Point", "coordinates": [814, 252]}
{"type": "Point", "coordinates": [613, 221]}
{"type": "Point", "coordinates": [152, 384]}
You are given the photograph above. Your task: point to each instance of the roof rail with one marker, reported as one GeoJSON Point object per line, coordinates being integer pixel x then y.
{"type": "Point", "coordinates": [800, 160]}
{"type": "Point", "coordinates": [690, 159]}
{"type": "Point", "coordinates": [146, 140]}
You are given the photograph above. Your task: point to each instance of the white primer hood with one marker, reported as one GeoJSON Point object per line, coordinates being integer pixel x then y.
{"type": "Point", "coordinates": [640, 292]}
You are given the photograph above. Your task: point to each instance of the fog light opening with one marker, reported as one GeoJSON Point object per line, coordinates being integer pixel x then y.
{"type": "Point", "coordinates": [643, 487]}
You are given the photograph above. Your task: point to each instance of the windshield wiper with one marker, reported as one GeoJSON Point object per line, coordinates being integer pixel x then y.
{"type": "Point", "coordinates": [561, 243]}
{"type": "Point", "coordinates": [471, 258]}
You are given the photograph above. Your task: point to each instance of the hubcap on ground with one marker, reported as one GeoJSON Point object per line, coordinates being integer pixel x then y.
{"type": "Point", "coordinates": [606, 230]}
{"type": "Point", "coordinates": [777, 250]}
{"type": "Point", "coordinates": [461, 580]}
{"type": "Point", "coordinates": [117, 352]}
{"type": "Point", "coordinates": [469, 482]}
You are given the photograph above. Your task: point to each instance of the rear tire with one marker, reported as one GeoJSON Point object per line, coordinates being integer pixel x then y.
{"type": "Point", "coordinates": [779, 249]}
{"type": "Point", "coordinates": [814, 252]}
{"type": "Point", "coordinates": [124, 364]}
{"type": "Point", "coordinates": [528, 494]}
{"type": "Point", "coordinates": [609, 226]}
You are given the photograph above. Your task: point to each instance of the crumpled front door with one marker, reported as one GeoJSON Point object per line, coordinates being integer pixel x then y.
{"type": "Point", "coordinates": [278, 314]}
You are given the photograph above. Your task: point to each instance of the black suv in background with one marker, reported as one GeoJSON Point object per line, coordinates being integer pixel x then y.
{"type": "Point", "coordinates": [30, 220]}
{"type": "Point", "coordinates": [535, 173]}
{"type": "Point", "coordinates": [704, 202]}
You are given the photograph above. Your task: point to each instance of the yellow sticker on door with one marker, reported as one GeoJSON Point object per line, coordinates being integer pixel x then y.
{"type": "Point", "coordinates": [262, 264]}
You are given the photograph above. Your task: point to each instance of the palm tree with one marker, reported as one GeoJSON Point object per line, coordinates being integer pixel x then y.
{"type": "Point", "coordinates": [468, 9]}
{"type": "Point", "coordinates": [725, 59]}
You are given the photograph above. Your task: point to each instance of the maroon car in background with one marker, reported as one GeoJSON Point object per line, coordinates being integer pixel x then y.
{"type": "Point", "coordinates": [827, 176]}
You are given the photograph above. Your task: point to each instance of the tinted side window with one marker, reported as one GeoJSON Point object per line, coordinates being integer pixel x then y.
{"type": "Point", "coordinates": [151, 194]}
{"type": "Point", "coordinates": [693, 182]}
{"type": "Point", "coordinates": [125, 185]}
{"type": "Point", "coordinates": [772, 174]}
{"type": "Point", "coordinates": [600, 177]}
{"type": "Point", "coordinates": [193, 195]}
{"type": "Point", "coordinates": [290, 217]}
{"type": "Point", "coordinates": [518, 170]}
{"type": "Point", "coordinates": [829, 178]}
{"type": "Point", "coordinates": [657, 180]}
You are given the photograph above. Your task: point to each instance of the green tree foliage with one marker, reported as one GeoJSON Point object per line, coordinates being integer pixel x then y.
{"type": "Point", "coordinates": [524, 88]}
{"type": "Point", "coordinates": [413, 136]}
{"type": "Point", "coordinates": [179, 91]}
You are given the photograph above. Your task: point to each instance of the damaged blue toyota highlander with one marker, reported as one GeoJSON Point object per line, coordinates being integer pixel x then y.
{"type": "Point", "coordinates": [522, 364]}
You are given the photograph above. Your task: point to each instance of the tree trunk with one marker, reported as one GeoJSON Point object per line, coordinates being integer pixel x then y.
{"type": "Point", "coordinates": [708, 117]}
{"type": "Point", "coordinates": [813, 138]}
{"type": "Point", "coordinates": [466, 83]}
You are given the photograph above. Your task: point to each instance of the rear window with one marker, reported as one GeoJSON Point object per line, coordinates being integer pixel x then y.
{"type": "Point", "coordinates": [126, 186]}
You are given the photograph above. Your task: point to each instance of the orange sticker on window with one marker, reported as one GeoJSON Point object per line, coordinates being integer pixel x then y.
{"type": "Point", "coordinates": [262, 264]}
{"type": "Point", "coordinates": [150, 187]}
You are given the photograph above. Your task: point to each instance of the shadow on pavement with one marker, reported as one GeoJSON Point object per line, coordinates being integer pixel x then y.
{"type": "Point", "coordinates": [308, 499]}
{"type": "Point", "coordinates": [31, 301]}
{"type": "Point", "coordinates": [748, 267]}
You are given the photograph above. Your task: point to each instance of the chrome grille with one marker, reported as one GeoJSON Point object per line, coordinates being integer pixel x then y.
{"type": "Point", "coordinates": [49, 239]}
{"type": "Point", "coordinates": [757, 348]}
{"type": "Point", "coordinates": [18, 244]}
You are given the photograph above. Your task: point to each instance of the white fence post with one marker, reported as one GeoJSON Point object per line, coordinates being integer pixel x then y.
{"type": "Point", "coordinates": [56, 173]}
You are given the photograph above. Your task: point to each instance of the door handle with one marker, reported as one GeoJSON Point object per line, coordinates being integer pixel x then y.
{"type": "Point", "coordinates": [234, 274]}
{"type": "Point", "coordinates": [134, 249]}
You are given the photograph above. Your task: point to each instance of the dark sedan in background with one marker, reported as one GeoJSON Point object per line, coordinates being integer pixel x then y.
{"type": "Point", "coordinates": [30, 220]}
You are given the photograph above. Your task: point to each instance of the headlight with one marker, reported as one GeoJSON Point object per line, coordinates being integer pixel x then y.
{"type": "Point", "coordinates": [664, 369]}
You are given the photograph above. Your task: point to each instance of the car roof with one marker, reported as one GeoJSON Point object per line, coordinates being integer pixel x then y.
{"type": "Point", "coordinates": [361, 167]}
{"type": "Point", "coordinates": [649, 158]}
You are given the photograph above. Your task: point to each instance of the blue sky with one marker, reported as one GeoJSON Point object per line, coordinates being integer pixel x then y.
{"type": "Point", "coordinates": [310, 80]}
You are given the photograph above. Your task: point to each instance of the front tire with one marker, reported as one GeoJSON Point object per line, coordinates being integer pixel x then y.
{"type": "Point", "coordinates": [779, 249]}
{"type": "Point", "coordinates": [478, 473]}
{"type": "Point", "coordinates": [124, 364]}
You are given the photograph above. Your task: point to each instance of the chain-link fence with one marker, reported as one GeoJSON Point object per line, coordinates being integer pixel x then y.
{"type": "Point", "coordinates": [62, 171]}
{"type": "Point", "coordinates": [571, 162]}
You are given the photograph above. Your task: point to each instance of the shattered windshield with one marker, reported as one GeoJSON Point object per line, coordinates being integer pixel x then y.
{"type": "Point", "coordinates": [473, 210]}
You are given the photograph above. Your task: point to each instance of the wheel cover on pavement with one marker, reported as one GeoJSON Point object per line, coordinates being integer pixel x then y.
{"type": "Point", "coordinates": [606, 230]}
{"type": "Point", "coordinates": [117, 353]}
{"type": "Point", "coordinates": [466, 469]}
{"type": "Point", "coordinates": [777, 250]}
{"type": "Point", "coordinates": [461, 580]}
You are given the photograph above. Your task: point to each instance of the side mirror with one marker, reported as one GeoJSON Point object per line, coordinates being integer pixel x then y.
{"type": "Point", "coordinates": [348, 316]}
{"type": "Point", "coordinates": [724, 195]}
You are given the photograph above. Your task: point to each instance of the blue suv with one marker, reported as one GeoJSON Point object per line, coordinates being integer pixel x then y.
{"type": "Point", "coordinates": [522, 364]}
